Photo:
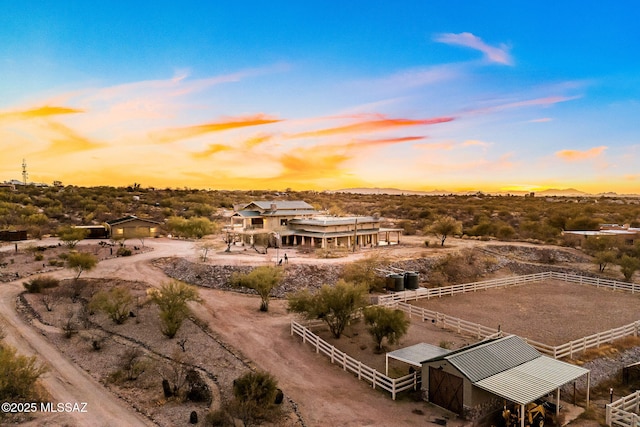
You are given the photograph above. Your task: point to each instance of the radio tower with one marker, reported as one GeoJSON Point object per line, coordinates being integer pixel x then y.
{"type": "Point", "coordinates": [25, 175]}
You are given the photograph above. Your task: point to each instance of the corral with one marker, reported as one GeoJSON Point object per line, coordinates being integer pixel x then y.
{"type": "Point", "coordinates": [547, 307]}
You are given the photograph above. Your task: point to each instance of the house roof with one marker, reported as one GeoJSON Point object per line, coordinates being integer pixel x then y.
{"type": "Point", "coordinates": [510, 368]}
{"type": "Point", "coordinates": [129, 218]}
{"type": "Point", "coordinates": [280, 204]}
{"type": "Point", "coordinates": [331, 220]}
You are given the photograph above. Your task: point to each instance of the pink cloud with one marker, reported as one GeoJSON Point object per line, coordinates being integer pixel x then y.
{"type": "Point", "coordinates": [542, 120]}
{"type": "Point", "coordinates": [577, 155]}
{"type": "Point", "coordinates": [498, 54]}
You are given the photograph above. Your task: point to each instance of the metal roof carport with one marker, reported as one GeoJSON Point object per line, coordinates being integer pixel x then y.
{"type": "Point", "coordinates": [532, 380]}
{"type": "Point", "coordinates": [415, 354]}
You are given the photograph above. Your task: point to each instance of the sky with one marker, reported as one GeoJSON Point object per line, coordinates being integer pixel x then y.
{"type": "Point", "coordinates": [322, 95]}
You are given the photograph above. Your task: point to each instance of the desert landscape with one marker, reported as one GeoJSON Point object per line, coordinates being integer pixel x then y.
{"type": "Point", "coordinates": [227, 334]}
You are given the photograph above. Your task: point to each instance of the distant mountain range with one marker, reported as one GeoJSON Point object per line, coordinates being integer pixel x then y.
{"type": "Point", "coordinates": [565, 192]}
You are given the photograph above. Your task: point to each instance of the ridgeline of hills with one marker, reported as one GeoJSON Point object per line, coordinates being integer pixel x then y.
{"type": "Point", "coordinates": [565, 192]}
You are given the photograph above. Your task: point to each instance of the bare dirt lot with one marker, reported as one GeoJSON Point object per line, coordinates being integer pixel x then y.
{"type": "Point", "coordinates": [551, 312]}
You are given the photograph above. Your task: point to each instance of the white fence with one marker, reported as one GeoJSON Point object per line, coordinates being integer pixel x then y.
{"type": "Point", "coordinates": [362, 371]}
{"type": "Point", "coordinates": [428, 293]}
{"type": "Point", "coordinates": [624, 412]}
{"type": "Point", "coordinates": [398, 300]}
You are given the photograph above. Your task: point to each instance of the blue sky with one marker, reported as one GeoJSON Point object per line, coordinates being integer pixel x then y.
{"type": "Point", "coordinates": [488, 96]}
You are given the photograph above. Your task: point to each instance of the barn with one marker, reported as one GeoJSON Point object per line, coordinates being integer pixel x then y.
{"type": "Point", "coordinates": [477, 380]}
{"type": "Point", "coordinates": [131, 227]}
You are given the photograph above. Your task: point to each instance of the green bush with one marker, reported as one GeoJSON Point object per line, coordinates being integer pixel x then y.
{"type": "Point", "coordinates": [18, 375]}
{"type": "Point", "coordinates": [124, 252]}
{"type": "Point", "coordinates": [36, 285]}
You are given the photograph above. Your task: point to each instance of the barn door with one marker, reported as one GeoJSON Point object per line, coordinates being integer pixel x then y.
{"type": "Point", "coordinates": [445, 390]}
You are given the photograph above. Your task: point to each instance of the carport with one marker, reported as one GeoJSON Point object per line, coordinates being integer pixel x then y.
{"type": "Point", "coordinates": [532, 380]}
{"type": "Point", "coordinates": [415, 354]}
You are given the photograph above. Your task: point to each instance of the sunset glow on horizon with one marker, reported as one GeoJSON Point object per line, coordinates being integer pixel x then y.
{"type": "Point", "coordinates": [316, 96]}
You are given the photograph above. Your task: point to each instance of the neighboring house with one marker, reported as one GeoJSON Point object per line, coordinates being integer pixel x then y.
{"type": "Point", "coordinates": [624, 233]}
{"type": "Point", "coordinates": [479, 379]}
{"type": "Point", "coordinates": [131, 227]}
{"type": "Point", "coordinates": [297, 223]}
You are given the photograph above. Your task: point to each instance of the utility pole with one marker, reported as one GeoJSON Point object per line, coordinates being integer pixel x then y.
{"type": "Point", "coordinates": [355, 234]}
{"type": "Point", "coordinates": [25, 175]}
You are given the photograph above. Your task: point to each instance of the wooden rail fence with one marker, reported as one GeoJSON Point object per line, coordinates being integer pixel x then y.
{"type": "Point", "coordinates": [399, 300]}
{"type": "Point", "coordinates": [624, 411]}
{"type": "Point", "coordinates": [362, 371]}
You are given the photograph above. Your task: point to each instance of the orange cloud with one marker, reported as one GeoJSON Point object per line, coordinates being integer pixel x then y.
{"type": "Point", "coordinates": [33, 113]}
{"type": "Point", "coordinates": [257, 140]}
{"type": "Point", "coordinates": [371, 126]}
{"type": "Point", "coordinates": [211, 150]}
{"type": "Point", "coordinates": [312, 163]}
{"type": "Point", "coordinates": [576, 155]}
{"type": "Point", "coordinates": [66, 141]}
{"type": "Point", "coordinates": [176, 134]}
{"type": "Point", "coordinates": [385, 141]}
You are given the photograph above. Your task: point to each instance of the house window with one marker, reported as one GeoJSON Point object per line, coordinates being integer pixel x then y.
{"type": "Point", "coordinates": [284, 222]}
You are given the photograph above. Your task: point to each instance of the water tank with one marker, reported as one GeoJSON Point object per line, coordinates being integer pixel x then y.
{"type": "Point", "coordinates": [390, 282]}
{"type": "Point", "coordinates": [411, 280]}
{"type": "Point", "coordinates": [398, 282]}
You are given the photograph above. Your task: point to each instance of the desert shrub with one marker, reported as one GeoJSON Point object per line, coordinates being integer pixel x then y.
{"type": "Point", "coordinates": [116, 303]}
{"type": "Point", "coordinates": [132, 364]}
{"type": "Point", "coordinates": [197, 388]}
{"type": "Point", "coordinates": [38, 257]}
{"type": "Point", "coordinates": [18, 375]}
{"type": "Point", "coordinates": [123, 252]}
{"type": "Point", "coordinates": [364, 272]}
{"type": "Point", "coordinates": [219, 418]}
{"type": "Point", "coordinates": [37, 284]}
{"type": "Point", "coordinates": [254, 397]}
{"type": "Point", "coordinates": [261, 279]}
{"type": "Point", "coordinates": [172, 300]}
{"type": "Point", "coordinates": [335, 305]}
{"type": "Point", "coordinates": [386, 323]}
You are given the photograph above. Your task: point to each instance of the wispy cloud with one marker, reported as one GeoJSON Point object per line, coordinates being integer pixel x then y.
{"type": "Point", "coordinates": [541, 120]}
{"type": "Point", "coordinates": [370, 126]}
{"type": "Point", "coordinates": [499, 54]}
{"type": "Point", "coordinates": [66, 141]}
{"type": "Point", "coordinates": [176, 134]}
{"type": "Point", "coordinates": [211, 150]}
{"type": "Point", "coordinates": [39, 112]}
{"type": "Point", "coordinates": [534, 102]}
{"type": "Point", "coordinates": [577, 155]}
{"type": "Point", "coordinates": [476, 143]}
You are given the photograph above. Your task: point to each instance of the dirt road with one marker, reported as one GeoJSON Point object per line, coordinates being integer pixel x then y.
{"type": "Point", "coordinates": [324, 393]}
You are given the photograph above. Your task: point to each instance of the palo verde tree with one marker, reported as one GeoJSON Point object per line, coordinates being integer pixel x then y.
{"type": "Point", "coordinates": [18, 375]}
{"type": "Point", "coordinates": [262, 280]}
{"type": "Point", "coordinates": [363, 272]}
{"type": "Point", "coordinates": [386, 323]}
{"type": "Point", "coordinates": [70, 236]}
{"type": "Point", "coordinates": [81, 261]}
{"type": "Point", "coordinates": [172, 299]}
{"type": "Point", "coordinates": [116, 303]}
{"type": "Point", "coordinates": [443, 227]}
{"type": "Point", "coordinates": [192, 228]}
{"type": "Point", "coordinates": [628, 265]}
{"type": "Point", "coordinates": [334, 305]}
